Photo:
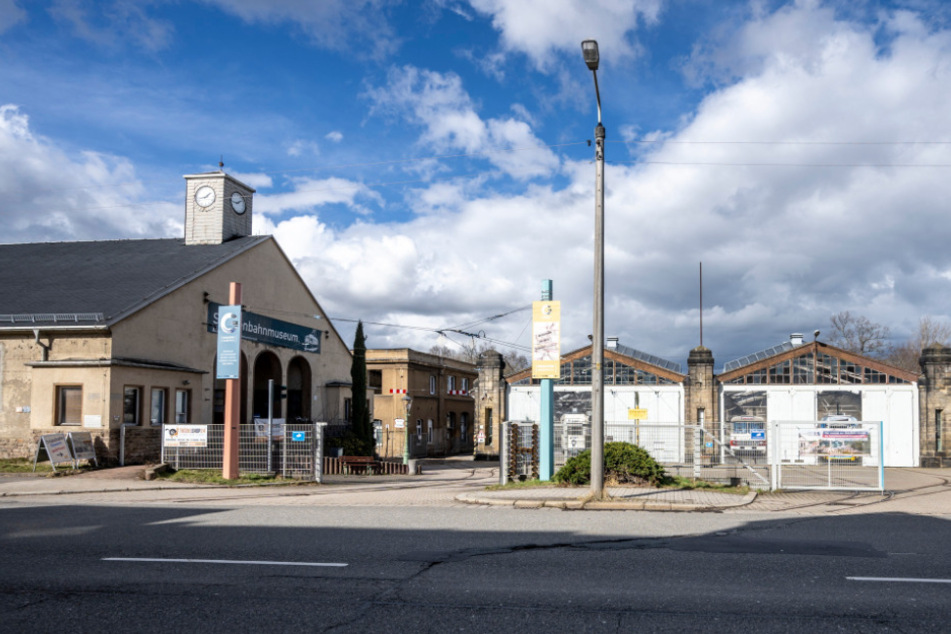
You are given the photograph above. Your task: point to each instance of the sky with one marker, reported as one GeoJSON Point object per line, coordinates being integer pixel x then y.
{"type": "Point", "coordinates": [425, 165]}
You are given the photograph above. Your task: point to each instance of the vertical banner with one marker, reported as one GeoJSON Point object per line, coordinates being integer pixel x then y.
{"type": "Point", "coordinates": [546, 340]}
{"type": "Point", "coordinates": [229, 342]}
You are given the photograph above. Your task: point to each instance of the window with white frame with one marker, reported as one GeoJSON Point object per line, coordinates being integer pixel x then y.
{"type": "Point", "coordinates": [465, 384]}
{"type": "Point", "coordinates": [452, 383]}
{"type": "Point", "coordinates": [429, 433]}
{"type": "Point", "coordinates": [419, 430]}
{"type": "Point", "coordinates": [432, 383]}
{"type": "Point", "coordinates": [159, 405]}
{"type": "Point", "coordinates": [182, 403]}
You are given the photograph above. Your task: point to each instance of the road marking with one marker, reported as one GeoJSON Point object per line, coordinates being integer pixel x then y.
{"type": "Point", "coordinates": [226, 561]}
{"type": "Point", "coordinates": [899, 579]}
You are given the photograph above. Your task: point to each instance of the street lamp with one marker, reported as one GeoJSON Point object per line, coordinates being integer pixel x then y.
{"type": "Point", "coordinates": [591, 57]}
{"type": "Point", "coordinates": [407, 401]}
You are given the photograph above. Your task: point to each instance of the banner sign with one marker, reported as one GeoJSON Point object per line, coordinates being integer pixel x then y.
{"type": "Point", "coordinates": [277, 428]}
{"type": "Point", "coordinates": [56, 449]}
{"type": "Point", "coordinates": [546, 340]}
{"type": "Point", "coordinates": [636, 413]}
{"type": "Point", "coordinates": [270, 332]}
{"type": "Point", "coordinates": [185, 435]}
{"type": "Point", "coordinates": [228, 318]}
{"type": "Point", "coordinates": [835, 443]}
{"type": "Point", "coordinates": [83, 448]}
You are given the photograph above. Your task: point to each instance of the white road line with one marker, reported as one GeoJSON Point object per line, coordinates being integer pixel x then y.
{"type": "Point", "coordinates": [226, 561]}
{"type": "Point", "coordinates": [898, 579]}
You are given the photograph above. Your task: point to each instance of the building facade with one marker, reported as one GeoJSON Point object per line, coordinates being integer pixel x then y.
{"type": "Point", "coordinates": [422, 404]}
{"type": "Point", "coordinates": [96, 336]}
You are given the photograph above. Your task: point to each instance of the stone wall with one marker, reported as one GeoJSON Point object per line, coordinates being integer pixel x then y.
{"type": "Point", "coordinates": [934, 402]}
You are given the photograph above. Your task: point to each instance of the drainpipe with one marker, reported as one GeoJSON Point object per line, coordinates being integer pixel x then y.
{"type": "Point", "coordinates": [45, 346]}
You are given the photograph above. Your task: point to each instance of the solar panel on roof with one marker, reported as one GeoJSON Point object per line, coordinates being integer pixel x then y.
{"type": "Point", "coordinates": [757, 356]}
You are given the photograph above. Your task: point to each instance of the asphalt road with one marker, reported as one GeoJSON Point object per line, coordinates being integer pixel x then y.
{"type": "Point", "coordinates": [483, 569]}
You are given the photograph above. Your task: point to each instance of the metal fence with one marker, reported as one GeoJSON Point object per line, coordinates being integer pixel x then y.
{"type": "Point", "coordinates": [291, 450]}
{"type": "Point", "coordinates": [831, 455]}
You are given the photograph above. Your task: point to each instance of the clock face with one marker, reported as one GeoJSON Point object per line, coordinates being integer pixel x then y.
{"type": "Point", "coordinates": [238, 203]}
{"type": "Point", "coordinates": [204, 196]}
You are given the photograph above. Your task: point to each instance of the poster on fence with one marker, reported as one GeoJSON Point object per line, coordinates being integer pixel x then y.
{"type": "Point", "coordinates": [833, 442]}
{"type": "Point", "coordinates": [277, 428]}
{"type": "Point", "coordinates": [185, 435]}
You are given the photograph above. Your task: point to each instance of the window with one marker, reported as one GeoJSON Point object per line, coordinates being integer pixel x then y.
{"type": "Point", "coordinates": [488, 425]}
{"type": "Point", "coordinates": [69, 405]}
{"type": "Point", "coordinates": [463, 426]}
{"type": "Point", "coordinates": [130, 406]}
{"type": "Point", "coordinates": [452, 383]}
{"type": "Point", "coordinates": [429, 433]}
{"type": "Point", "coordinates": [347, 409]}
{"type": "Point", "coordinates": [182, 403]}
{"type": "Point", "coordinates": [419, 430]}
{"type": "Point", "coordinates": [432, 383]}
{"type": "Point", "coordinates": [701, 415]}
{"type": "Point", "coordinates": [158, 410]}
{"type": "Point", "coordinates": [465, 384]}
{"type": "Point", "coordinates": [378, 432]}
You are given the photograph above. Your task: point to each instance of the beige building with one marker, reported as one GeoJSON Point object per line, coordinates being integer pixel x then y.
{"type": "Point", "coordinates": [99, 335]}
{"type": "Point", "coordinates": [424, 394]}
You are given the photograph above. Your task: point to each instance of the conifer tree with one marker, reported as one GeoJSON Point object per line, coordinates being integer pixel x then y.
{"type": "Point", "coordinates": [362, 428]}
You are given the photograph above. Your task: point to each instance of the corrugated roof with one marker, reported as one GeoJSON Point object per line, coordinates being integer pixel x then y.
{"type": "Point", "coordinates": [758, 356]}
{"type": "Point", "coordinates": [96, 283]}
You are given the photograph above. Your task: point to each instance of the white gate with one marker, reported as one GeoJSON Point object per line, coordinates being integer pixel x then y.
{"type": "Point", "coordinates": [829, 455]}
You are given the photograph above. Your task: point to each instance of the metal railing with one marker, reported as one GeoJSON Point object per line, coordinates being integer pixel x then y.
{"type": "Point", "coordinates": [296, 453]}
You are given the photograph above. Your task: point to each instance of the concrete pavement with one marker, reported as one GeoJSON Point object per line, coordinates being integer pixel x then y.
{"type": "Point", "coordinates": [463, 481]}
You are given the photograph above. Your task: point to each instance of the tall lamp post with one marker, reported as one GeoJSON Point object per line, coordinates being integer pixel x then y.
{"type": "Point", "coordinates": [407, 401]}
{"type": "Point", "coordinates": [591, 57]}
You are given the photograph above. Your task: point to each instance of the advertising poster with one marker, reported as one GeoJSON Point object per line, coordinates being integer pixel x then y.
{"type": "Point", "coordinates": [546, 340]}
{"type": "Point", "coordinates": [229, 342]}
{"type": "Point", "coordinates": [185, 435]}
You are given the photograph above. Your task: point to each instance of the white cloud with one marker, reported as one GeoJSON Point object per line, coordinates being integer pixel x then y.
{"type": "Point", "coordinates": [115, 23]}
{"type": "Point", "coordinates": [336, 136]}
{"type": "Point", "coordinates": [541, 29]}
{"type": "Point", "coordinates": [357, 27]}
{"type": "Point", "coordinates": [300, 147]}
{"type": "Point", "coordinates": [307, 194]}
{"type": "Point", "coordinates": [439, 103]}
{"type": "Point", "coordinates": [10, 14]}
{"type": "Point", "coordinates": [51, 196]}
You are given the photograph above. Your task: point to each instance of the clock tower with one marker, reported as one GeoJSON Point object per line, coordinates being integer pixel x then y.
{"type": "Point", "coordinates": [217, 208]}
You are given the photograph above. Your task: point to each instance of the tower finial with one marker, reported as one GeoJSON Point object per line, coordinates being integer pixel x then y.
{"type": "Point", "coordinates": [221, 163]}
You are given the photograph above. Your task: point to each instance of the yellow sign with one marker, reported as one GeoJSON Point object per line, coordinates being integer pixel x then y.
{"type": "Point", "coordinates": [637, 414]}
{"type": "Point", "coordinates": [546, 340]}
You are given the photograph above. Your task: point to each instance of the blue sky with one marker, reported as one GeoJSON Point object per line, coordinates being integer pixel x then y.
{"type": "Point", "coordinates": [426, 163]}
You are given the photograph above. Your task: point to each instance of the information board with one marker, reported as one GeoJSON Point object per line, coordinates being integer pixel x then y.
{"type": "Point", "coordinates": [83, 449]}
{"type": "Point", "coordinates": [56, 450]}
{"type": "Point", "coordinates": [185, 435]}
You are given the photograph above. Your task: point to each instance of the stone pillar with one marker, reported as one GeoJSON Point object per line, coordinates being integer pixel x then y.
{"type": "Point", "coordinates": [700, 390]}
{"type": "Point", "coordinates": [934, 402]}
{"type": "Point", "coordinates": [490, 404]}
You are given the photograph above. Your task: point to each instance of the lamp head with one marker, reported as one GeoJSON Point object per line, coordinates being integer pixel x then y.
{"type": "Point", "coordinates": [591, 56]}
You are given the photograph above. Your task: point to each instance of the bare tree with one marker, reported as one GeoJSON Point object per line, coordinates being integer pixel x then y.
{"type": "Point", "coordinates": [930, 331]}
{"type": "Point", "coordinates": [858, 334]}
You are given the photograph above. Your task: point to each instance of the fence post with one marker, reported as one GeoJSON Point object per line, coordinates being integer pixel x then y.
{"type": "Point", "coordinates": [504, 454]}
{"type": "Point", "coordinates": [319, 452]}
{"type": "Point", "coordinates": [772, 455]}
{"type": "Point", "coordinates": [696, 452]}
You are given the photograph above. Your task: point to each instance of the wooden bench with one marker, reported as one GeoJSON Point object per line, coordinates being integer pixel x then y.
{"type": "Point", "coordinates": [368, 464]}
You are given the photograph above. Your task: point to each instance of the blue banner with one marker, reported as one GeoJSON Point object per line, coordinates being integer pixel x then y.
{"type": "Point", "coordinates": [229, 342]}
{"type": "Point", "coordinates": [271, 332]}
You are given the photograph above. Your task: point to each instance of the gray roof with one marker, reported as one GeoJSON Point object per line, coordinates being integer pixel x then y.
{"type": "Point", "coordinates": [84, 284]}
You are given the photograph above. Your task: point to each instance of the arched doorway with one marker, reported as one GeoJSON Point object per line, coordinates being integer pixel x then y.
{"type": "Point", "coordinates": [298, 389]}
{"type": "Point", "coordinates": [266, 367]}
{"type": "Point", "coordinates": [218, 403]}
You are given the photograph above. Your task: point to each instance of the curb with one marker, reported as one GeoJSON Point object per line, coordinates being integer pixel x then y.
{"type": "Point", "coordinates": [607, 505]}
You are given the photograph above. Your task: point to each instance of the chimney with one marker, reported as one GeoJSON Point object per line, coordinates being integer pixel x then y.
{"type": "Point", "coordinates": [795, 338]}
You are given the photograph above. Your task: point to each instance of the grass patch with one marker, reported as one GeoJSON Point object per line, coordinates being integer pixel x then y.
{"type": "Point", "coordinates": [688, 484]}
{"type": "Point", "coordinates": [521, 484]}
{"type": "Point", "coordinates": [211, 476]}
{"type": "Point", "coordinates": [25, 465]}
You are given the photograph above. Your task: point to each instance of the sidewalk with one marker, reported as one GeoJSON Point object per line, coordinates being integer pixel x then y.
{"type": "Point", "coordinates": [461, 480]}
